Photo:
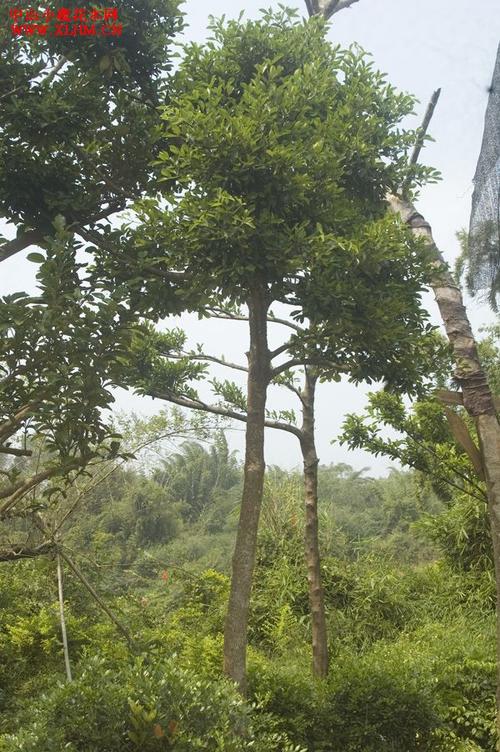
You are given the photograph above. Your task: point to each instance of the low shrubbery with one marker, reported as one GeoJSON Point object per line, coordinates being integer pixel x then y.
{"type": "Point", "coordinates": [145, 705]}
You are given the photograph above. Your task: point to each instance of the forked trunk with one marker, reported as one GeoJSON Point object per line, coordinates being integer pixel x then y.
{"type": "Point", "coordinates": [259, 373]}
{"type": "Point", "coordinates": [477, 396]}
{"type": "Point", "coordinates": [313, 561]}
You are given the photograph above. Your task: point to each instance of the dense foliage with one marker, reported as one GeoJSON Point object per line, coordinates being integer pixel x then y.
{"type": "Point", "coordinates": [411, 633]}
{"type": "Point", "coordinates": [265, 159]}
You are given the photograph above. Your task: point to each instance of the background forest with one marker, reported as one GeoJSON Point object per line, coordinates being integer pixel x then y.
{"type": "Point", "coordinates": [409, 597]}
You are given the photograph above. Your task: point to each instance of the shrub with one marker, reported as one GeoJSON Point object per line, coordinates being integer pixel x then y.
{"type": "Point", "coordinates": [145, 706]}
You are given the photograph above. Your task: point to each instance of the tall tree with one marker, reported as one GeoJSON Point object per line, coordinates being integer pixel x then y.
{"type": "Point", "coordinates": [78, 120]}
{"type": "Point", "coordinates": [401, 351]}
{"type": "Point", "coordinates": [469, 375]}
{"type": "Point", "coordinates": [78, 128]}
{"type": "Point", "coordinates": [278, 197]}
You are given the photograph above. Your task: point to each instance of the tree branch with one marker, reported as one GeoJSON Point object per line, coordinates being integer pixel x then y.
{"type": "Point", "coordinates": [54, 71]}
{"type": "Point", "coordinates": [293, 389]}
{"type": "Point", "coordinates": [16, 491]}
{"type": "Point", "coordinates": [422, 131]}
{"type": "Point", "coordinates": [15, 452]}
{"type": "Point", "coordinates": [22, 486]}
{"type": "Point", "coordinates": [208, 358]}
{"type": "Point", "coordinates": [294, 362]}
{"type": "Point", "coordinates": [37, 236]}
{"type": "Point", "coordinates": [219, 410]}
{"type": "Point", "coordinates": [12, 424]}
{"type": "Point", "coordinates": [329, 8]}
{"type": "Point", "coordinates": [279, 350]}
{"type": "Point", "coordinates": [20, 551]}
{"type": "Point", "coordinates": [79, 574]}
{"type": "Point", "coordinates": [221, 314]}
{"type": "Point", "coordinates": [50, 75]}
{"type": "Point", "coordinates": [96, 239]}
{"type": "Point", "coordinates": [11, 247]}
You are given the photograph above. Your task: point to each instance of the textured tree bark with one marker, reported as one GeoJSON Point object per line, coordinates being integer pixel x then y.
{"type": "Point", "coordinates": [313, 561]}
{"type": "Point", "coordinates": [259, 374]}
{"type": "Point", "coordinates": [62, 619]}
{"type": "Point", "coordinates": [477, 397]}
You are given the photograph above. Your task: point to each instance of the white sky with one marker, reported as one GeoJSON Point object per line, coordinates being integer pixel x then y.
{"type": "Point", "coordinates": [421, 45]}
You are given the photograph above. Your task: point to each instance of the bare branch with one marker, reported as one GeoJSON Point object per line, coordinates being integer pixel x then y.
{"type": "Point", "coordinates": [227, 316]}
{"type": "Point", "coordinates": [79, 574]}
{"type": "Point", "coordinates": [15, 452]}
{"type": "Point", "coordinates": [11, 247]}
{"type": "Point", "coordinates": [209, 358]}
{"type": "Point", "coordinates": [20, 551]}
{"type": "Point", "coordinates": [50, 75]}
{"type": "Point", "coordinates": [54, 71]}
{"type": "Point", "coordinates": [280, 350]}
{"type": "Point", "coordinates": [97, 482]}
{"type": "Point", "coordinates": [193, 404]}
{"type": "Point", "coordinates": [422, 131]}
{"type": "Point", "coordinates": [450, 398]}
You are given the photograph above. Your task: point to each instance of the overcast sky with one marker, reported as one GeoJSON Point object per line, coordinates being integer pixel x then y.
{"type": "Point", "coordinates": [421, 45]}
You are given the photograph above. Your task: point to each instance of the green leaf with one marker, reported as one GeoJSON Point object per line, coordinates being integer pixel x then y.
{"type": "Point", "coordinates": [36, 258]}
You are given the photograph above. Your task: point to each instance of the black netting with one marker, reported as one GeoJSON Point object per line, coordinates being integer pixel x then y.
{"type": "Point", "coordinates": [483, 252]}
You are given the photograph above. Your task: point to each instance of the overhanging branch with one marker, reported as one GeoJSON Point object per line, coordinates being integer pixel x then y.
{"type": "Point", "coordinates": [19, 551]}
{"type": "Point", "coordinates": [193, 404]}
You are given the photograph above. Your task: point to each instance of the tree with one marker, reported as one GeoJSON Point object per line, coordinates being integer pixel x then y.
{"type": "Point", "coordinates": [279, 196]}
{"type": "Point", "coordinates": [265, 187]}
{"type": "Point", "coordinates": [194, 474]}
{"type": "Point", "coordinates": [162, 368]}
{"type": "Point", "coordinates": [59, 356]}
{"type": "Point", "coordinates": [78, 126]}
{"type": "Point", "coordinates": [469, 374]}
{"type": "Point", "coordinates": [439, 441]}
{"type": "Point", "coordinates": [155, 356]}
{"type": "Point", "coordinates": [78, 123]}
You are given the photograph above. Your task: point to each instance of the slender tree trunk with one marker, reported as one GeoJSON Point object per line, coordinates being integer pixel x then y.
{"type": "Point", "coordinates": [259, 372]}
{"type": "Point", "coordinates": [477, 396]}
{"type": "Point", "coordinates": [63, 620]}
{"type": "Point", "coordinates": [313, 561]}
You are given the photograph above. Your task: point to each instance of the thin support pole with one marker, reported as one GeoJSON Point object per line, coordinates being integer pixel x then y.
{"type": "Point", "coordinates": [62, 618]}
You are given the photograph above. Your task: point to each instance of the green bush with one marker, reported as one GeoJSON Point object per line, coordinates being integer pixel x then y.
{"type": "Point", "coordinates": [367, 705]}
{"type": "Point", "coordinates": [145, 706]}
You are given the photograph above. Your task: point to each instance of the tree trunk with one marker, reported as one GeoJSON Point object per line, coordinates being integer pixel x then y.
{"type": "Point", "coordinates": [63, 620]}
{"type": "Point", "coordinates": [259, 373]}
{"type": "Point", "coordinates": [477, 396]}
{"type": "Point", "coordinates": [316, 599]}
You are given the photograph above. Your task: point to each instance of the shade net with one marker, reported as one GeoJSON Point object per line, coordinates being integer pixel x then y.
{"type": "Point", "coordinates": [483, 268]}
